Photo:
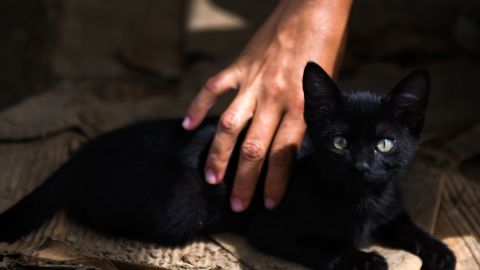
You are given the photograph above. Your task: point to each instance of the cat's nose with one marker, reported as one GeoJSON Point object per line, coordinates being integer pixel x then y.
{"type": "Point", "coordinates": [362, 165]}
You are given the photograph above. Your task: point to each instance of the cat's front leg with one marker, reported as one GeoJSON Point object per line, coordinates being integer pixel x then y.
{"type": "Point", "coordinates": [402, 233]}
{"type": "Point", "coordinates": [355, 259]}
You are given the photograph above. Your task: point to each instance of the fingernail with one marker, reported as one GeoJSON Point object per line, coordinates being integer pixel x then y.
{"type": "Point", "coordinates": [236, 204]}
{"type": "Point", "coordinates": [270, 204]}
{"type": "Point", "coordinates": [186, 122]}
{"type": "Point", "coordinates": [210, 177]}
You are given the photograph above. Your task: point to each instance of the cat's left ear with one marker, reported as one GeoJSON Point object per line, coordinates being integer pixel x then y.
{"type": "Point", "coordinates": [408, 100]}
{"type": "Point", "coordinates": [321, 94]}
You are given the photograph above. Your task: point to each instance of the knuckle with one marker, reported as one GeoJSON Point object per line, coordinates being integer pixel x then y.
{"type": "Point", "coordinates": [298, 104]}
{"type": "Point", "coordinates": [229, 123]}
{"type": "Point", "coordinates": [282, 156]}
{"type": "Point", "coordinates": [215, 160]}
{"type": "Point", "coordinates": [275, 89]}
{"type": "Point", "coordinates": [253, 151]}
{"type": "Point", "coordinates": [212, 85]}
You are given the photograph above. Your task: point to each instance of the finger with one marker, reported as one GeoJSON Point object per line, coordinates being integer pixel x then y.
{"type": "Point", "coordinates": [229, 127]}
{"type": "Point", "coordinates": [208, 95]}
{"type": "Point", "coordinates": [282, 157]}
{"type": "Point", "coordinates": [252, 155]}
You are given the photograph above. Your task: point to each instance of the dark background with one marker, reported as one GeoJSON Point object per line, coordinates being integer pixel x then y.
{"type": "Point", "coordinates": [47, 42]}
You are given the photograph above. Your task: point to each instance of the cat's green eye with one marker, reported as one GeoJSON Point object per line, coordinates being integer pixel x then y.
{"type": "Point", "coordinates": [339, 142]}
{"type": "Point", "coordinates": [385, 145]}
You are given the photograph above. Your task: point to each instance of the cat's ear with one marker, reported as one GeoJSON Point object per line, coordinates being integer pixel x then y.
{"type": "Point", "coordinates": [321, 94]}
{"type": "Point", "coordinates": [408, 100]}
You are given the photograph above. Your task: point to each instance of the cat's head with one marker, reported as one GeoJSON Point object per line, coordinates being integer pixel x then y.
{"type": "Point", "coordinates": [361, 133]}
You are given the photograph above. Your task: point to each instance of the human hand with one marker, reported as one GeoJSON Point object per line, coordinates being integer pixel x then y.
{"type": "Point", "coordinates": [268, 76]}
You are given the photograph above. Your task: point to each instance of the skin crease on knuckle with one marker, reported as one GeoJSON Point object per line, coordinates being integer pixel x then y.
{"type": "Point", "coordinates": [229, 123]}
{"type": "Point", "coordinates": [269, 72]}
{"type": "Point", "coordinates": [212, 84]}
{"type": "Point", "coordinates": [229, 126]}
{"type": "Point", "coordinates": [211, 87]}
{"type": "Point", "coordinates": [275, 90]}
{"type": "Point", "coordinates": [253, 151]}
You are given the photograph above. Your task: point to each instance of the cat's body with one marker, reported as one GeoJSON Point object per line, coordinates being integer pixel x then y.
{"type": "Point", "coordinates": [146, 181]}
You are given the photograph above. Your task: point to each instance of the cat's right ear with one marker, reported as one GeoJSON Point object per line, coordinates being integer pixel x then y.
{"type": "Point", "coordinates": [320, 92]}
{"type": "Point", "coordinates": [408, 100]}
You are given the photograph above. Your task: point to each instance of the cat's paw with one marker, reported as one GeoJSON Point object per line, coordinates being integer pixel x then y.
{"type": "Point", "coordinates": [362, 261]}
{"type": "Point", "coordinates": [439, 257]}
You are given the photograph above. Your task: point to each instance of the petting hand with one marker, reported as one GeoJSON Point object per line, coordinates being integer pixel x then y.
{"type": "Point", "coordinates": [268, 76]}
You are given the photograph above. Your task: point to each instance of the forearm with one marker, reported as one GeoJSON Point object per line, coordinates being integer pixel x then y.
{"type": "Point", "coordinates": [313, 29]}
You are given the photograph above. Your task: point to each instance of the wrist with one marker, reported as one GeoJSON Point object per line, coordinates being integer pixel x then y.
{"type": "Point", "coordinates": [315, 28]}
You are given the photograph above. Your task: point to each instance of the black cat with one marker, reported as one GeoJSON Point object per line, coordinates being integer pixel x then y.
{"type": "Point", "coordinates": [146, 181]}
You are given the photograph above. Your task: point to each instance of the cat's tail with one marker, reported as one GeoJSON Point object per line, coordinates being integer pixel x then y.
{"type": "Point", "coordinates": [37, 207]}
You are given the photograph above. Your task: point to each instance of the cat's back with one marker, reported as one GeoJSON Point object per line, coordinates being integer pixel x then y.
{"type": "Point", "coordinates": [151, 143]}
{"type": "Point", "coordinates": [148, 178]}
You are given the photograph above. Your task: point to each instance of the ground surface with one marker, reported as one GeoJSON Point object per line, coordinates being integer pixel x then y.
{"type": "Point", "coordinates": [101, 64]}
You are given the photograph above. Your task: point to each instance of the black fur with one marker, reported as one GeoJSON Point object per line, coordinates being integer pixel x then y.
{"type": "Point", "coordinates": [146, 181]}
